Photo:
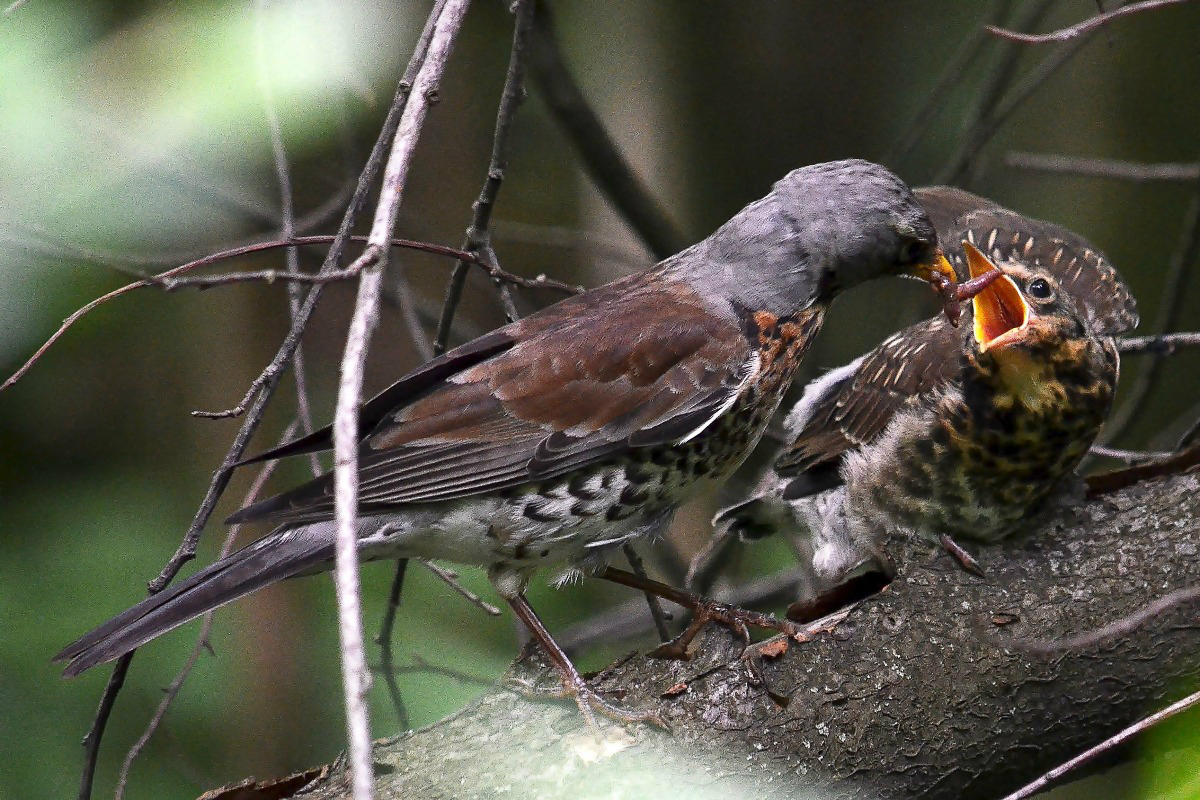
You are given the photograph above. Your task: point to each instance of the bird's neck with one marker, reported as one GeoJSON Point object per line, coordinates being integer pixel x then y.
{"type": "Point", "coordinates": [758, 266]}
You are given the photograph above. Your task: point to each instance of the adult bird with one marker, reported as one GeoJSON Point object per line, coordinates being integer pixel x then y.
{"type": "Point", "coordinates": [552, 441]}
{"type": "Point", "coordinates": [949, 433]}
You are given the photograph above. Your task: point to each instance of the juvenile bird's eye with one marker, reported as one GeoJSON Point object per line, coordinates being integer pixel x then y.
{"type": "Point", "coordinates": [1040, 288]}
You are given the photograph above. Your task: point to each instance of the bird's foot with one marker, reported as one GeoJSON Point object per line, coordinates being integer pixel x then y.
{"type": "Point", "coordinates": [573, 684]}
{"type": "Point", "coordinates": [588, 700]}
{"type": "Point", "coordinates": [964, 559]}
{"type": "Point", "coordinates": [704, 610]}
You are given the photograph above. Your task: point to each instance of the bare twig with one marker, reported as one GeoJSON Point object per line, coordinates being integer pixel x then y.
{"type": "Point", "coordinates": [1075, 31]}
{"type": "Point", "coordinates": [386, 657]}
{"type": "Point", "coordinates": [656, 610]}
{"type": "Point", "coordinates": [1170, 302]}
{"type": "Point", "coordinates": [952, 75]}
{"type": "Point", "coordinates": [1129, 456]}
{"type": "Point", "coordinates": [1118, 169]}
{"type": "Point", "coordinates": [1108, 744]}
{"type": "Point", "coordinates": [202, 640]}
{"type": "Point", "coordinates": [168, 281]}
{"type": "Point", "coordinates": [1106, 482]}
{"type": "Point", "coordinates": [287, 214]}
{"type": "Point", "coordinates": [1163, 345]}
{"type": "Point", "coordinates": [600, 156]}
{"type": "Point", "coordinates": [628, 621]}
{"type": "Point", "coordinates": [450, 578]}
{"type": "Point", "coordinates": [988, 125]}
{"type": "Point", "coordinates": [187, 547]}
{"type": "Point", "coordinates": [421, 665]}
{"type": "Point", "coordinates": [356, 679]}
{"type": "Point", "coordinates": [478, 238]}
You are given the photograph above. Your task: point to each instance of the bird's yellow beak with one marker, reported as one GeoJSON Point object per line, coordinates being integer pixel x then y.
{"type": "Point", "coordinates": [1001, 313]}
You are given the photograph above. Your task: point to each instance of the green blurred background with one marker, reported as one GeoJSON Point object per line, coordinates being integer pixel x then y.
{"type": "Point", "coordinates": [135, 134]}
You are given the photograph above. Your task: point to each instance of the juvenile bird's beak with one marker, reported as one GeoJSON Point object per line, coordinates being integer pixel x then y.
{"type": "Point", "coordinates": [1001, 313]}
{"type": "Point", "coordinates": [942, 277]}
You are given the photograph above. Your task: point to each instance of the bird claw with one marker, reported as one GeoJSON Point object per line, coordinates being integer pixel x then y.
{"type": "Point", "coordinates": [587, 699]}
{"type": "Point", "coordinates": [739, 619]}
{"type": "Point", "coordinates": [964, 559]}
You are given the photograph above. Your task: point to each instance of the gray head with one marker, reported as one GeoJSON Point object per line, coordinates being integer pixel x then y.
{"type": "Point", "coordinates": [822, 229]}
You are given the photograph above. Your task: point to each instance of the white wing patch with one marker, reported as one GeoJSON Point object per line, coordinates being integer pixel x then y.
{"type": "Point", "coordinates": [749, 371]}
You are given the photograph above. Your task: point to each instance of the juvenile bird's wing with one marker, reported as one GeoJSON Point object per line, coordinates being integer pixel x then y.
{"type": "Point", "coordinates": [581, 382]}
{"type": "Point", "coordinates": [850, 407]}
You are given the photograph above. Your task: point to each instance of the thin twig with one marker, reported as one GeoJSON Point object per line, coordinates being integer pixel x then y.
{"type": "Point", "coordinates": [1129, 456]}
{"type": "Point", "coordinates": [202, 640]}
{"type": "Point", "coordinates": [167, 280]}
{"type": "Point", "coordinates": [656, 610]}
{"type": "Point", "coordinates": [1132, 171]}
{"type": "Point", "coordinates": [595, 147]}
{"type": "Point", "coordinates": [187, 547]}
{"type": "Point", "coordinates": [987, 127]}
{"type": "Point", "coordinates": [287, 214]}
{"type": "Point", "coordinates": [477, 236]}
{"type": "Point", "coordinates": [450, 578]}
{"type": "Point", "coordinates": [355, 676]}
{"type": "Point", "coordinates": [1185, 460]}
{"type": "Point", "coordinates": [627, 620]}
{"type": "Point", "coordinates": [1170, 303]}
{"type": "Point", "coordinates": [421, 665]}
{"type": "Point", "coordinates": [1163, 345]}
{"type": "Point", "coordinates": [386, 657]}
{"type": "Point", "coordinates": [1087, 26]}
{"type": "Point", "coordinates": [1108, 744]}
{"type": "Point", "coordinates": [951, 77]}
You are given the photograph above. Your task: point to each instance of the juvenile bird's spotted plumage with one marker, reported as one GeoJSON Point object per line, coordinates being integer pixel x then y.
{"type": "Point", "coordinates": [553, 440]}
{"type": "Point", "coordinates": [951, 433]}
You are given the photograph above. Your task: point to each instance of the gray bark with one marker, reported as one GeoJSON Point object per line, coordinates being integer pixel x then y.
{"type": "Point", "coordinates": [914, 694]}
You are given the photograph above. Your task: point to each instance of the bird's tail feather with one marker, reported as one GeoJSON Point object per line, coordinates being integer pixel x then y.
{"type": "Point", "coordinates": [278, 555]}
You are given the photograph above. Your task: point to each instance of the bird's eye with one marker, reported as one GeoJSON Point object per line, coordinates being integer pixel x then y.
{"type": "Point", "coordinates": [911, 251]}
{"type": "Point", "coordinates": [1040, 288]}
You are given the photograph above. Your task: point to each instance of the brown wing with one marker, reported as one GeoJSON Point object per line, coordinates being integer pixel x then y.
{"type": "Point", "coordinates": [627, 365]}
{"type": "Point", "coordinates": [853, 405]}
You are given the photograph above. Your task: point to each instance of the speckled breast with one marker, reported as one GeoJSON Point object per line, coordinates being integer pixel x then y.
{"type": "Point", "coordinates": [991, 460]}
{"type": "Point", "coordinates": [649, 480]}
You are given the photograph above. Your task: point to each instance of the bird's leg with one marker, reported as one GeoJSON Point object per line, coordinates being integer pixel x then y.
{"type": "Point", "coordinates": [574, 685]}
{"type": "Point", "coordinates": [964, 559]}
{"type": "Point", "coordinates": [656, 609]}
{"type": "Point", "coordinates": [703, 609]}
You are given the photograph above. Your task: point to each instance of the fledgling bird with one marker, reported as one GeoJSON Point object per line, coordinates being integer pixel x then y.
{"type": "Point", "coordinates": [552, 441]}
{"type": "Point", "coordinates": [951, 434]}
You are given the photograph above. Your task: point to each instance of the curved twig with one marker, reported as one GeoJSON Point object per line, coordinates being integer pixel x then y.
{"type": "Point", "coordinates": [1075, 31]}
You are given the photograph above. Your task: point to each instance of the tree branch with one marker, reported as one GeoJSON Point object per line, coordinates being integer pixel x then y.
{"type": "Point", "coordinates": [913, 695]}
{"type": "Point", "coordinates": [599, 153]}
{"type": "Point", "coordinates": [447, 20]}
{"type": "Point", "coordinates": [1117, 169]}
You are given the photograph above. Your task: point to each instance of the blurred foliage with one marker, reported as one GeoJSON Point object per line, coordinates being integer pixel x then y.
{"type": "Point", "coordinates": [134, 134]}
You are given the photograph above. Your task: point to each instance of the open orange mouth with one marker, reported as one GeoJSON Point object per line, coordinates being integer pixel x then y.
{"type": "Point", "coordinates": [1001, 313]}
